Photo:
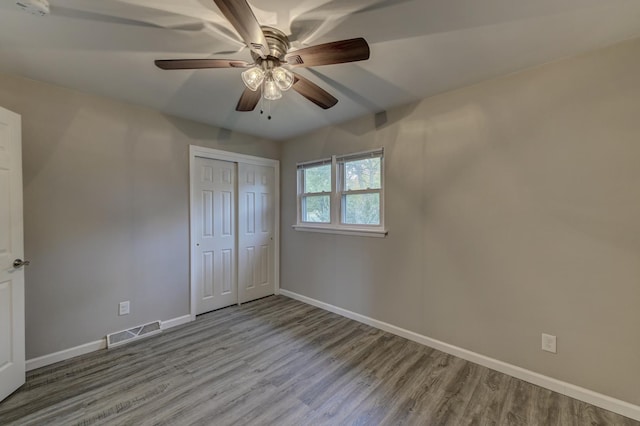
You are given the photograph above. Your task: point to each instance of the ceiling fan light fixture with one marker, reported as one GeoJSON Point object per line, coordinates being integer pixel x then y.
{"type": "Point", "coordinates": [271, 90]}
{"type": "Point", "coordinates": [283, 78]}
{"type": "Point", "coordinates": [253, 78]}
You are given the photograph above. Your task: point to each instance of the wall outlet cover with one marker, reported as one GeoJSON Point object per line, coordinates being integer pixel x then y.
{"type": "Point", "coordinates": [549, 343]}
{"type": "Point", "coordinates": [123, 308]}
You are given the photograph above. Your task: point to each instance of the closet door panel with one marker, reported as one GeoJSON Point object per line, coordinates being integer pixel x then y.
{"type": "Point", "coordinates": [215, 246]}
{"type": "Point", "coordinates": [256, 208]}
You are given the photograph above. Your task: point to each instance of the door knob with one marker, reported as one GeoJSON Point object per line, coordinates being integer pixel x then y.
{"type": "Point", "coordinates": [19, 263]}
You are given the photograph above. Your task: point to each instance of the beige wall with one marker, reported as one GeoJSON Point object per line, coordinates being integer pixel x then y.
{"type": "Point", "coordinates": [106, 210]}
{"type": "Point", "coordinates": [513, 209]}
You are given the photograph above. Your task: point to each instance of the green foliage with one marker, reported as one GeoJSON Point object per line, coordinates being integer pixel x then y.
{"type": "Point", "coordinates": [362, 174]}
{"type": "Point", "coordinates": [362, 209]}
{"type": "Point", "coordinates": [316, 208]}
{"type": "Point", "coordinates": [317, 179]}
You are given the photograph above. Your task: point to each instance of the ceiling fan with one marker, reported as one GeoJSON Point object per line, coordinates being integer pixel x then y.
{"type": "Point", "coordinates": [266, 76]}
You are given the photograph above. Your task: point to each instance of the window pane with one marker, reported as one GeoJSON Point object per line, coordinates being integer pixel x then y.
{"type": "Point", "coordinates": [362, 174]}
{"type": "Point", "coordinates": [362, 209]}
{"type": "Point", "coordinates": [317, 179]}
{"type": "Point", "coordinates": [316, 208]}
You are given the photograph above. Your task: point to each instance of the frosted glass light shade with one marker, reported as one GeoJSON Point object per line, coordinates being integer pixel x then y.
{"type": "Point", "coordinates": [271, 90]}
{"type": "Point", "coordinates": [253, 78]}
{"type": "Point", "coordinates": [283, 78]}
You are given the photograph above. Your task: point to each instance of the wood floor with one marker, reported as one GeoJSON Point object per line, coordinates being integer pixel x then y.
{"type": "Point", "coordinates": [277, 361]}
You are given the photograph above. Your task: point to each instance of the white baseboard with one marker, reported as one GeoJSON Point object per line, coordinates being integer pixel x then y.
{"type": "Point", "coordinates": [176, 322]}
{"type": "Point", "coordinates": [594, 398]}
{"type": "Point", "coordinates": [43, 361]}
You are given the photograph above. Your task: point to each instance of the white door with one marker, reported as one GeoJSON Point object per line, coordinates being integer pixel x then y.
{"type": "Point", "coordinates": [215, 234]}
{"type": "Point", "coordinates": [12, 363]}
{"type": "Point", "coordinates": [256, 205]}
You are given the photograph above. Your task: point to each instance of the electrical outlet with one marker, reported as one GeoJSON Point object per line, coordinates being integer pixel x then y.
{"type": "Point", "coordinates": [123, 308]}
{"type": "Point", "coordinates": [549, 343]}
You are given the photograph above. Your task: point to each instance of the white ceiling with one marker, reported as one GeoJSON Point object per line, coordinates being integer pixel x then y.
{"type": "Point", "coordinates": [418, 48]}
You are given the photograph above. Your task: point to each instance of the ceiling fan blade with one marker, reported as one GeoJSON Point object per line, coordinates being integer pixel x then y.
{"type": "Point", "coordinates": [337, 52]}
{"type": "Point", "coordinates": [193, 64]}
{"type": "Point", "coordinates": [313, 92]}
{"type": "Point", "coordinates": [240, 15]}
{"type": "Point", "coordinates": [248, 100]}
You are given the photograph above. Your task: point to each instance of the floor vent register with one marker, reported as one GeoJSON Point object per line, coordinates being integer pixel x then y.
{"type": "Point", "coordinates": [136, 333]}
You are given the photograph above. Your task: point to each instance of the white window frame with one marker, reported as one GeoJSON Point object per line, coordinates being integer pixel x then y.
{"type": "Point", "coordinates": [336, 225]}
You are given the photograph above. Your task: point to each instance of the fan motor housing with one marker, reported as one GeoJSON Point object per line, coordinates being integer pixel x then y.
{"type": "Point", "coordinates": [277, 41]}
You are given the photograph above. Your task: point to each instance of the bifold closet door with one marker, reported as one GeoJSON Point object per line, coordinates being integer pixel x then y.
{"type": "Point", "coordinates": [256, 208]}
{"type": "Point", "coordinates": [215, 230]}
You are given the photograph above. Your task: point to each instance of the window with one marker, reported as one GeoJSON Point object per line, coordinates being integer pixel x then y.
{"type": "Point", "coordinates": [315, 181]}
{"type": "Point", "coordinates": [360, 190]}
{"type": "Point", "coordinates": [343, 194]}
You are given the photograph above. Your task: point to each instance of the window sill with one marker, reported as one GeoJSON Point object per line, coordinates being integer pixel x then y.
{"type": "Point", "coordinates": [342, 230]}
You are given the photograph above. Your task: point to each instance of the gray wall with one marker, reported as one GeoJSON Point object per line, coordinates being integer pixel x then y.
{"type": "Point", "coordinates": [106, 193]}
{"type": "Point", "coordinates": [513, 209]}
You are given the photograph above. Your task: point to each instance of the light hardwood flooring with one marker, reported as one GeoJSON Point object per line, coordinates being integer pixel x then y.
{"type": "Point", "coordinates": [277, 361]}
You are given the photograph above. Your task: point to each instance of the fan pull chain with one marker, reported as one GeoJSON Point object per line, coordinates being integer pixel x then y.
{"type": "Point", "coordinates": [268, 108]}
{"type": "Point", "coordinates": [261, 99]}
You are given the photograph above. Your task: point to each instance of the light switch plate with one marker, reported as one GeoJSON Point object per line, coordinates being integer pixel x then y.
{"type": "Point", "coordinates": [123, 308]}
